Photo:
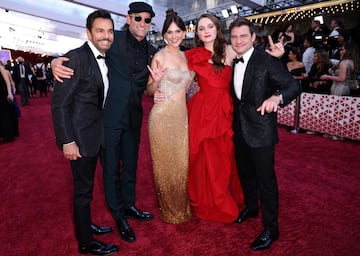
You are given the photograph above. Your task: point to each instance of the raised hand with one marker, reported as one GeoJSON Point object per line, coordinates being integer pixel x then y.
{"type": "Point", "coordinates": [157, 72]}
{"type": "Point", "coordinates": [277, 49]}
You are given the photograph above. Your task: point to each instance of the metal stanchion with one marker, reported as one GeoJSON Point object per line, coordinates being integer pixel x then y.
{"type": "Point", "coordinates": [295, 130]}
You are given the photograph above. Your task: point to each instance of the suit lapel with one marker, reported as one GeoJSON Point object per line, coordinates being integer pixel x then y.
{"type": "Point", "coordinates": [248, 74]}
{"type": "Point", "coordinates": [99, 81]}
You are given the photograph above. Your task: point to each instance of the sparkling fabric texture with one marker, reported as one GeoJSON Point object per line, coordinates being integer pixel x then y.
{"type": "Point", "coordinates": [169, 141]}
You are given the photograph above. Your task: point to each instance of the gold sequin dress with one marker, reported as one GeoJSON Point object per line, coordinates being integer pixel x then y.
{"type": "Point", "coordinates": [168, 135]}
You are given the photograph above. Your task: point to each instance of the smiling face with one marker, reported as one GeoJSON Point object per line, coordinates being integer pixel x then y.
{"type": "Point", "coordinates": [206, 30]}
{"type": "Point", "coordinates": [139, 24]}
{"type": "Point", "coordinates": [241, 39]}
{"type": "Point", "coordinates": [101, 34]}
{"type": "Point", "coordinates": [174, 35]}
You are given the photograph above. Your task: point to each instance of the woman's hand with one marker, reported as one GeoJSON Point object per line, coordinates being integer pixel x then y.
{"type": "Point", "coordinates": [157, 72]}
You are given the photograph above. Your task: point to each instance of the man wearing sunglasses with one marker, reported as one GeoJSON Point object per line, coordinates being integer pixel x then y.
{"type": "Point", "coordinates": [127, 59]}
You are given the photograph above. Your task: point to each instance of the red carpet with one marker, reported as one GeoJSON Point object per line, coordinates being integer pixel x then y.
{"type": "Point", "coordinates": [319, 182]}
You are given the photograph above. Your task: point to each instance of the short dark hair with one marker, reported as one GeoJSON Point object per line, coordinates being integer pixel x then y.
{"type": "Point", "coordinates": [97, 14]}
{"type": "Point", "coordinates": [241, 21]}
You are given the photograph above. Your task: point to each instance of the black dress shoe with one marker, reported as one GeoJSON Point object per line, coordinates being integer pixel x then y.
{"type": "Point", "coordinates": [98, 248]}
{"type": "Point", "coordinates": [245, 214]}
{"type": "Point", "coordinates": [264, 240]}
{"type": "Point", "coordinates": [125, 231]}
{"type": "Point", "coordinates": [135, 213]}
{"type": "Point", "coordinates": [100, 230]}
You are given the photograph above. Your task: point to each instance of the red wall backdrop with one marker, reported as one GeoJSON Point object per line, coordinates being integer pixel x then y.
{"type": "Point", "coordinates": [29, 56]}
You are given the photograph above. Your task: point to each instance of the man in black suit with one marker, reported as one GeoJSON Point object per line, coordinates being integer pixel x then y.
{"type": "Point", "coordinates": [127, 59]}
{"type": "Point", "coordinates": [260, 84]}
{"type": "Point", "coordinates": [22, 71]}
{"type": "Point", "coordinates": [77, 111]}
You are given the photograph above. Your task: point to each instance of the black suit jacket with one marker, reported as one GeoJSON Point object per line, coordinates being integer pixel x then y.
{"type": "Point", "coordinates": [16, 75]}
{"type": "Point", "coordinates": [76, 104]}
{"type": "Point", "coordinates": [264, 76]}
{"type": "Point", "coordinates": [123, 107]}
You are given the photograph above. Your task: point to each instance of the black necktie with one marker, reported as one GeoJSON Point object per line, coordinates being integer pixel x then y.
{"type": "Point", "coordinates": [236, 60]}
{"type": "Point", "coordinates": [100, 57]}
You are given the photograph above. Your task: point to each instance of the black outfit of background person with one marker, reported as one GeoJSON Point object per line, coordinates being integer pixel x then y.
{"type": "Point", "coordinates": [8, 115]}
{"type": "Point", "coordinates": [21, 78]}
{"type": "Point", "coordinates": [314, 76]}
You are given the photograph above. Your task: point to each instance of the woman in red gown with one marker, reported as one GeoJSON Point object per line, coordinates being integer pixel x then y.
{"type": "Point", "coordinates": [214, 187]}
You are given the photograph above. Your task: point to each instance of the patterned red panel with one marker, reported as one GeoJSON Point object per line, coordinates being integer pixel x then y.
{"type": "Point", "coordinates": [334, 115]}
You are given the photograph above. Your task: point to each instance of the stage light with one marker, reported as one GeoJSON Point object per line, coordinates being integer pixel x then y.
{"type": "Point", "coordinates": [225, 13]}
{"type": "Point", "coordinates": [234, 9]}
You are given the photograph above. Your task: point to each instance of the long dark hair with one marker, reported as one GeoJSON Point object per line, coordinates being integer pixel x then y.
{"type": "Point", "coordinates": [219, 43]}
{"type": "Point", "coordinates": [323, 60]}
{"type": "Point", "coordinates": [352, 53]}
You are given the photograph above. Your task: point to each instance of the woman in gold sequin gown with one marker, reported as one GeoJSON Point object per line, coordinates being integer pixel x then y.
{"type": "Point", "coordinates": [168, 125]}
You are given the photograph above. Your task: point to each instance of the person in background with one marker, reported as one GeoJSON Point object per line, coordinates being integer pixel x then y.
{"type": "Point", "coordinates": [80, 135]}
{"type": "Point", "coordinates": [320, 67]}
{"type": "Point", "coordinates": [308, 54]}
{"type": "Point", "coordinates": [260, 84]}
{"type": "Point", "coordinates": [14, 111]}
{"type": "Point", "coordinates": [317, 34]}
{"type": "Point", "coordinates": [307, 60]}
{"type": "Point", "coordinates": [347, 70]}
{"type": "Point", "coordinates": [168, 124]}
{"type": "Point", "coordinates": [257, 43]}
{"type": "Point", "coordinates": [7, 108]}
{"type": "Point", "coordinates": [128, 76]}
{"type": "Point", "coordinates": [40, 74]}
{"type": "Point", "coordinates": [22, 72]}
{"type": "Point", "coordinates": [336, 29]}
{"type": "Point", "coordinates": [288, 34]}
{"type": "Point", "coordinates": [295, 66]}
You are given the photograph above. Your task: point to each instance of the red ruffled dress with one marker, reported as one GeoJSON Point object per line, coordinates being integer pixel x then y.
{"type": "Point", "coordinates": [214, 187]}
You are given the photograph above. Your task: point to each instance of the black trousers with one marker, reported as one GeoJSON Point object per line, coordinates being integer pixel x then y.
{"type": "Point", "coordinates": [119, 161]}
{"type": "Point", "coordinates": [83, 170]}
{"type": "Point", "coordinates": [257, 177]}
{"type": "Point", "coordinates": [24, 92]}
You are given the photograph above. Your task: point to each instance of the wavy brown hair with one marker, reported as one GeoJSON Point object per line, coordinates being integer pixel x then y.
{"type": "Point", "coordinates": [352, 53]}
{"type": "Point", "coordinates": [323, 60]}
{"type": "Point", "coordinates": [218, 56]}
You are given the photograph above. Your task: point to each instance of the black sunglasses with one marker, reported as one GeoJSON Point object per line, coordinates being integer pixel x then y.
{"type": "Point", "coordinates": [139, 18]}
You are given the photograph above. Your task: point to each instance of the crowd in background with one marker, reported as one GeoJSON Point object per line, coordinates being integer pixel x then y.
{"type": "Point", "coordinates": [26, 80]}
{"type": "Point", "coordinates": [325, 60]}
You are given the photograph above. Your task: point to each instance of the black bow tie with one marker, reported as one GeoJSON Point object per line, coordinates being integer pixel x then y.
{"type": "Point", "coordinates": [100, 57]}
{"type": "Point", "coordinates": [236, 60]}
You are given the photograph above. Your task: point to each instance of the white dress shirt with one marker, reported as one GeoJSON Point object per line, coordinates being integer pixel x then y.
{"type": "Point", "coordinates": [239, 71]}
{"type": "Point", "coordinates": [308, 58]}
{"type": "Point", "coordinates": [103, 68]}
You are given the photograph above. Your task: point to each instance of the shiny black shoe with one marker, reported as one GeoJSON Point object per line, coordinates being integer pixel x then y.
{"type": "Point", "coordinates": [125, 231]}
{"type": "Point", "coordinates": [135, 213]}
{"type": "Point", "coordinates": [264, 240]}
{"type": "Point", "coordinates": [98, 248]}
{"type": "Point", "coordinates": [99, 230]}
{"type": "Point", "coordinates": [245, 214]}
